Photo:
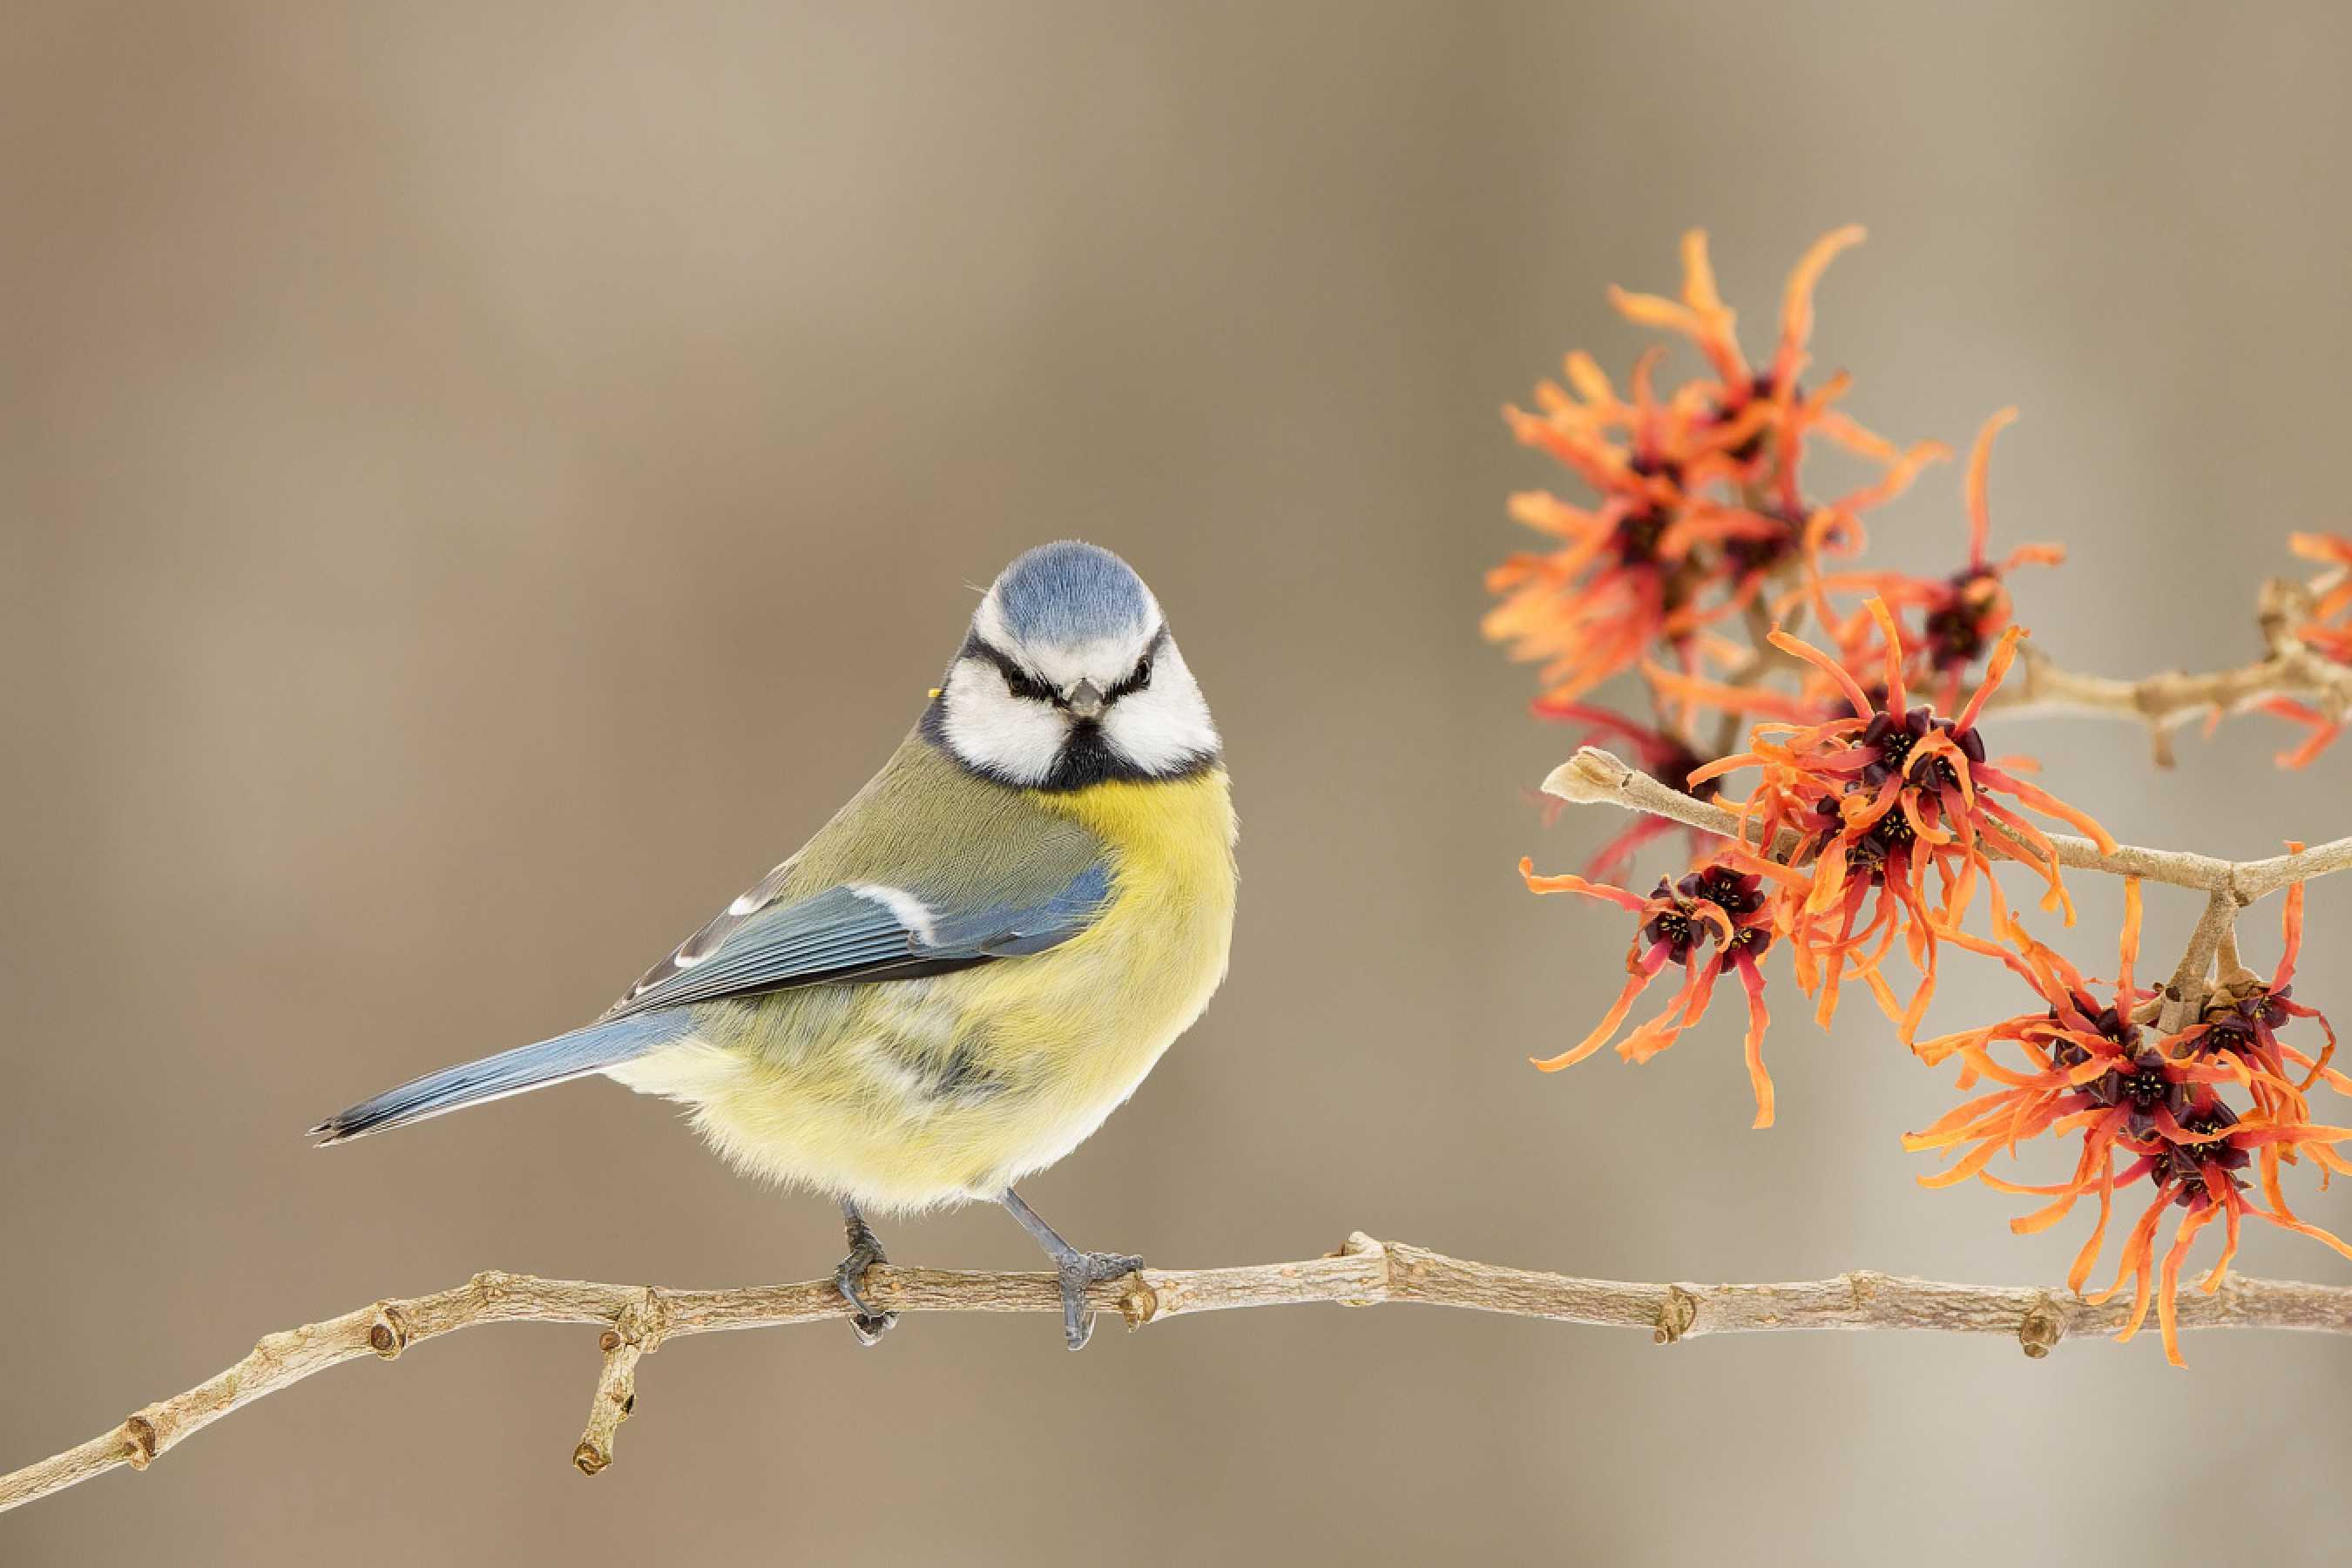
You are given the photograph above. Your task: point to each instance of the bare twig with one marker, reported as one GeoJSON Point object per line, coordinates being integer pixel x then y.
{"type": "Point", "coordinates": [1365, 1272]}
{"type": "Point", "coordinates": [2185, 997]}
{"type": "Point", "coordinates": [2164, 702]}
{"type": "Point", "coordinates": [1595, 776]}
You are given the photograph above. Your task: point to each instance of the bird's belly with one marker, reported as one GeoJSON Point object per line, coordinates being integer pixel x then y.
{"type": "Point", "coordinates": [912, 1093]}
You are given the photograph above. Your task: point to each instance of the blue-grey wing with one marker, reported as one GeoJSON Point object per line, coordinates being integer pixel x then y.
{"type": "Point", "coordinates": [862, 932]}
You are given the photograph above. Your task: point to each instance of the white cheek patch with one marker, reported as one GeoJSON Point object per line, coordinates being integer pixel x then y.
{"type": "Point", "coordinates": [1166, 725]}
{"type": "Point", "coordinates": [1012, 737]}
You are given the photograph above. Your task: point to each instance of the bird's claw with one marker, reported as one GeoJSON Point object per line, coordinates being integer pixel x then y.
{"type": "Point", "coordinates": [864, 1251]}
{"type": "Point", "coordinates": [1078, 1271]}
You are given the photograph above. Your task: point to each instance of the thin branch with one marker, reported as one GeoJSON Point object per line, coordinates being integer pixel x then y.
{"type": "Point", "coordinates": [2164, 702]}
{"type": "Point", "coordinates": [2225, 957]}
{"type": "Point", "coordinates": [1763, 657]}
{"type": "Point", "coordinates": [639, 1319]}
{"type": "Point", "coordinates": [1594, 776]}
{"type": "Point", "coordinates": [2185, 997]}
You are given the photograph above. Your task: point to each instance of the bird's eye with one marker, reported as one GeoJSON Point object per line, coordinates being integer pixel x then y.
{"type": "Point", "coordinates": [1027, 688]}
{"type": "Point", "coordinates": [1137, 679]}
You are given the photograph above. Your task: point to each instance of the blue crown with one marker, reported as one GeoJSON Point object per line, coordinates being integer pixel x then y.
{"type": "Point", "coordinates": [1070, 592]}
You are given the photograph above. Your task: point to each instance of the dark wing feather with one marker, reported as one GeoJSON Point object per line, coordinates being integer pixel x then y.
{"type": "Point", "coordinates": [851, 934]}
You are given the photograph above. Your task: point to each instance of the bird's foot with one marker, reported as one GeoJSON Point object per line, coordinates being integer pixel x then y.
{"type": "Point", "coordinates": [864, 1251]}
{"type": "Point", "coordinates": [1078, 1270]}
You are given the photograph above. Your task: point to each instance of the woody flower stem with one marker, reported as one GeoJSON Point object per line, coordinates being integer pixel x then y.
{"type": "Point", "coordinates": [637, 1319]}
{"type": "Point", "coordinates": [1593, 776]}
{"type": "Point", "coordinates": [2164, 702]}
{"type": "Point", "coordinates": [1762, 659]}
{"type": "Point", "coordinates": [2186, 994]}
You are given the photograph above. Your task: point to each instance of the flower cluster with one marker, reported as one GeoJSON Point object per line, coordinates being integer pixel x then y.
{"type": "Point", "coordinates": [2157, 1104]}
{"type": "Point", "coordinates": [1833, 851]}
{"type": "Point", "coordinates": [1960, 618]}
{"type": "Point", "coordinates": [1697, 500]}
{"type": "Point", "coordinates": [1716, 917]}
{"type": "Point", "coordinates": [1852, 816]}
{"type": "Point", "coordinates": [1859, 822]}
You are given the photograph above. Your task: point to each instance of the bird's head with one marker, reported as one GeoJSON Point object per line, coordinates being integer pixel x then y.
{"type": "Point", "coordinates": [1069, 678]}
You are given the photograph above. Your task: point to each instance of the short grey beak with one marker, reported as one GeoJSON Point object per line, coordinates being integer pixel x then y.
{"type": "Point", "coordinates": [1086, 700]}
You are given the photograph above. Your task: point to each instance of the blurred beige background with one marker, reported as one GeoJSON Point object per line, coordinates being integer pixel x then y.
{"type": "Point", "coordinates": [476, 488]}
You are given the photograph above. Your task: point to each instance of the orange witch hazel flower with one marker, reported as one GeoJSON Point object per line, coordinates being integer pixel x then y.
{"type": "Point", "coordinates": [1962, 616]}
{"type": "Point", "coordinates": [1877, 800]}
{"type": "Point", "coordinates": [2327, 633]}
{"type": "Point", "coordinates": [2330, 630]}
{"type": "Point", "coordinates": [2241, 1023]}
{"type": "Point", "coordinates": [2159, 1105]}
{"type": "Point", "coordinates": [1711, 921]}
{"type": "Point", "coordinates": [1697, 500]}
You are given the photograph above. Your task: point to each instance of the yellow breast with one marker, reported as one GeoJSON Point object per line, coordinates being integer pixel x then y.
{"type": "Point", "coordinates": [910, 1093]}
{"type": "Point", "coordinates": [1141, 973]}
{"type": "Point", "coordinates": [1087, 1020]}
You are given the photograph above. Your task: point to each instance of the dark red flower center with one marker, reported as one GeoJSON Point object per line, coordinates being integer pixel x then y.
{"type": "Point", "coordinates": [2238, 1025]}
{"type": "Point", "coordinates": [1892, 738]}
{"type": "Point", "coordinates": [2142, 1087]}
{"type": "Point", "coordinates": [1675, 927]}
{"type": "Point", "coordinates": [1758, 389]}
{"type": "Point", "coordinates": [1637, 536]}
{"type": "Point", "coordinates": [2188, 1162]}
{"type": "Point", "coordinates": [1957, 626]}
{"type": "Point", "coordinates": [1750, 554]}
{"type": "Point", "coordinates": [1737, 894]}
{"type": "Point", "coordinates": [2106, 1021]}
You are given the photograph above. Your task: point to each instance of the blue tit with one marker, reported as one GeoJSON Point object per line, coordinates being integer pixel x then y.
{"type": "Point", "coordinates": [973, 963]}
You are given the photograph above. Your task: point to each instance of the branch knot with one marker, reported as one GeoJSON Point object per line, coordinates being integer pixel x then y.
{"type": "Point", "coordinates": [1138, 1304]}
{"type": "Point", "coordinates": [1360, 1244]}
{"type": "Point", "coordinates": [2043, 1325]}
{"type": "Point", "coordinates": [142, 1440]}
{"type": "Point", "coordinates": [1676, 1314]}
{"type": "Point", "coordinates": [388, 1333]}
{"type": "Point", "coordinates": [643, 1324]}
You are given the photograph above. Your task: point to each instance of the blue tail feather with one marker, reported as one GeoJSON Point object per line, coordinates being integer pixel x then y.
{"type": "Point", "coordinates": [580, 1052]}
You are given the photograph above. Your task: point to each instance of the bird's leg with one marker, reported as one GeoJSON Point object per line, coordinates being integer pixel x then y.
{"type": "Point", "coordinates": [864, 1251]}
{"type": "Point", "coordinates": [1078, 1270]}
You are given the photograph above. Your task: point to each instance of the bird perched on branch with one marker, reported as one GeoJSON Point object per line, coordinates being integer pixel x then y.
{"type": "Point", "coordinates": [973, 963]}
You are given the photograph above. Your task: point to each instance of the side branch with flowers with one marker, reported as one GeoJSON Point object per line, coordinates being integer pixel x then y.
{"type": "Point", "coordinates": [1860, 823]}
{"type": "Point", "coordinates": [2306, 677]}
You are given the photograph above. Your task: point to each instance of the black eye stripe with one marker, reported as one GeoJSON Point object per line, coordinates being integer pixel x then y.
{"type": "Point", "coordinates": [1140, 676]}
{"type": "Point", "coordinates": [1025, 685]}
{"type": "Point", "coordinates": [1027, 688]}
{"type": "Point", "coordinates": [1137, 679]}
